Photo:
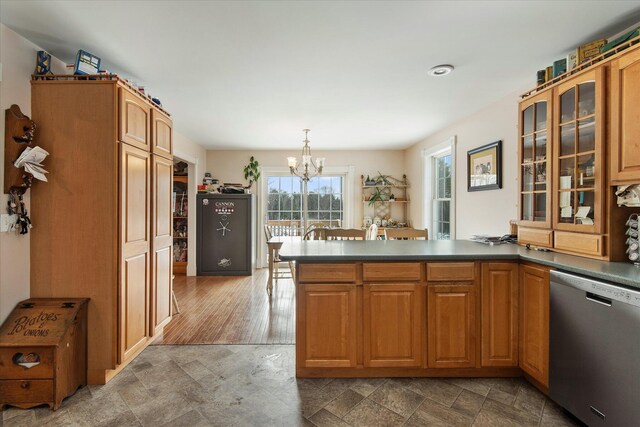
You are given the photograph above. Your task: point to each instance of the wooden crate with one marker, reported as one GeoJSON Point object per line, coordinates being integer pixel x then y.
{"type": "Point", "coordinates": [43, 352]}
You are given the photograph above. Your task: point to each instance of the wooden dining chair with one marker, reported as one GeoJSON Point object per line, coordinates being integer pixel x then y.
{"type": "Point", "coordinates": [315, 233]}
{"type": "Point", "coordinates": [277, 274]}
{"type": "Point", "coordinates": [406, 234]}
{"type": "Point", "coordinates": [345, 234]}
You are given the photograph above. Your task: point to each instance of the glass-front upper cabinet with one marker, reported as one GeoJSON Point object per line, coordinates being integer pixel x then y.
{"type": "Point", "coordinates": [535, 161]}
{"type": "Point", "coordinates": [578, 153]}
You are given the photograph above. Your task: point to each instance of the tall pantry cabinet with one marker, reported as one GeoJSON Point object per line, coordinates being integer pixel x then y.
{"type": "Point", "coordinates": [102, 224]}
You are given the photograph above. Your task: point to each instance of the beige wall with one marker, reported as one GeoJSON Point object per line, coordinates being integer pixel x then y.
{"type": "Point", "coordinates": [18, 59]}
{"type": "Point", "coordinates": [227, 166]}
{"type": "Point", "coordinates": [483, 212]}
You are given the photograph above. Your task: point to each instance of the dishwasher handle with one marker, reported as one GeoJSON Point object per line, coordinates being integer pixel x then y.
{"type": "Point", "coordinates": [598, 299]}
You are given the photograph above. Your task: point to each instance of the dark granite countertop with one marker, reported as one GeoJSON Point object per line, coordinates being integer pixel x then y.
{"type": "Point", "coordinates": [420, 250]}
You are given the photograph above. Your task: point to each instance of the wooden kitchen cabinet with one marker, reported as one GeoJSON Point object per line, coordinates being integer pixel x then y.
{"type": "Point", "coordinates": [535, 153]}
{"type": "Point", "coordinates": [161, 134]}
{"type": "Point", "coordinates": [135, 119]}
{"type": "Point", "coordinates": [579, 154]}
{"type": "Point", "coordinates": [499, 319]}
{"type": "Point", "coordinates": [326, 326]}
{"type": "Point", "coordinates": [534, 322]}
{"type": "Point", "coordinates": [161, 242]}
{"type": "Point", "coordinates": [135, 246]}
{"type": "Point", "coordinates": [103, 221]}
{"type": "Point", "coordinates": [393, 324]}
{"type": "Point", "coordinates": [625, 124]}
{"type": "Point", "coordinates": [451, 325]}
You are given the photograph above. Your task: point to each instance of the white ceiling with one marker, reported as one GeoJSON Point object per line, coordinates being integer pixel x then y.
{"type": "Point", "coordinates": [253, 74]}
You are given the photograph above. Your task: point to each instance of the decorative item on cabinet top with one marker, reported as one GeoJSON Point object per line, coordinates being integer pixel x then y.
{"type": "Point", "coordinates": [607, 51]}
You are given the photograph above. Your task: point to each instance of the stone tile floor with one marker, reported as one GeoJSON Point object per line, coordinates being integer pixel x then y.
{"type": "Point", "coordinates": [255, 385]}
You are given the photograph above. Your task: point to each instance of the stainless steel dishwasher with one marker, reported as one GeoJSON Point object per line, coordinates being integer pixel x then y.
{"type": "Point", "coordinates": [594, 350]}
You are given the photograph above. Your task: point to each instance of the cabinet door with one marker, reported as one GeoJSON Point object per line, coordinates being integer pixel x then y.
{"type": "Point", "coordinates": [535, 160]}
{"type": "Point", "coordinates": [161, 134]}
{"type": "Point", "coordinates": [451, 325]}
{"type": "Point", "coordinates": [161, 242]}
{"type": "Point", "coordinates": [625, 126]}
{"type": "Point", "coordinates": [534, 322]}
{"type": "Point", "coordinates": [578, 171]}
{"type": "Point", "coordinates": [326, 326]}
{"type": "Point", "coordinates": [392, 324]}
{"type": "Point", "coordinates": [499, 290]}
{"type": "Point", "coordinates": [135, 119]}
{"type": "Point", "coordinates": [134, 245]}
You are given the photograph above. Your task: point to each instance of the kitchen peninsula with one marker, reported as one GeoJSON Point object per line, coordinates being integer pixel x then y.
{"type": "Point", "coordinates": [429, 308]}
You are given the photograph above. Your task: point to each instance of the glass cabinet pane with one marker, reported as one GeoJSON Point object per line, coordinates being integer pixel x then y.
{"type": "Point", "coordinates": [541, 176]}
{"type": "Point", "coordinates": [586, 99]}
{"type": "Point", "coordinates": [541, 116]}
{"type": "Point", "coordinates": [586, 171]}
{"type": "Point", "coordinates": [565, 207]}
{"type": "Point", "coordinates": [527, 149]}
{"type": "Point", "coordinates": [527, 207]}
{"type": "Point", "coordinates": [541, 145]}
{"type": "Point", "coordinates": [541, 207]}
{"type": "Point", "coordinates": [568, 106]}
{"type": "Point", "coordinates": [567, 170]}
{"type": "Point", "coordinates": [567, 139]}
{"type": "Point", "coordinates": [527, 120]}
{"type": "Point", "coordinates": [585, 211]}
{"type": "Point", "coordinates": [527, 177]}
{"type": "Point", "coordinates": [586, 135]}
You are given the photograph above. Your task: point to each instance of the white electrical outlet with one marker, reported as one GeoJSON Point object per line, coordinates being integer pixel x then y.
{"type": "Point", "coordinates": [6, 222]}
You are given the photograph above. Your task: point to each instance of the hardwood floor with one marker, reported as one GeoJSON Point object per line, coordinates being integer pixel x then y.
{"type": "Point", "coordinates": [232, 310]}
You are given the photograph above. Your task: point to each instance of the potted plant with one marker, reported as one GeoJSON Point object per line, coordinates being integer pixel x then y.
{"type": "Point", "coordinates": [383, 179]}
{"type": "Point", "coordinates": [251, 171]}
{"type": "Point", "coordinates": [377, 196]}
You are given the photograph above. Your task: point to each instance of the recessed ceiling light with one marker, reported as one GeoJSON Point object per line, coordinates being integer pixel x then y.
{"type": "Point", "coordinates": [441, 70]}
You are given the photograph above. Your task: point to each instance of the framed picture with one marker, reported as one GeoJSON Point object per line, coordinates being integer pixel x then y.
{"type": "Point", "coordinates": [484, 167]}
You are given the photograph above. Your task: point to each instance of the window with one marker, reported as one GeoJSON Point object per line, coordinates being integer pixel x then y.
{"type": "Point", "coordinates": [442, 196]}
{"type": "Point", "coordinates": [439, 183]}
{"type": "Point", "coordinates": [284, 204]}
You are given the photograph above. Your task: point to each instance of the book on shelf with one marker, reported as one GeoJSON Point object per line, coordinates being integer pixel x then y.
{"type": "Point", "coordinates": [590, 50]}
{"type": "Point", "coordinates": [572, 59]}
{"type": "Point", "coordinates": [619, 40]}
{"type": "Point", "coordinates": [548, 73]}
{"type": "Point", "coordinates": [559, 67]}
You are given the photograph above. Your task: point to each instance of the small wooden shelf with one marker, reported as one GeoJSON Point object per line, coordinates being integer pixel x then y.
{"type": "Point", "coordinates": [180, 182]}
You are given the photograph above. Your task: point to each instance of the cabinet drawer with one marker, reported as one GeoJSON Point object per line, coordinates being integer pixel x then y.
{"type": "Point", "coordinates": [450, 271]}
{"type": "Point", "coordinates": [327, 273]}
{"type": "Point", "coordinates": [26, 391]}
{"type": "Point", "coordinates": [536, 237]}
{"type": "Point", "coordinates": [10, 357]}
{"type": "Point", "coordinates": [384, 271]}
{"type": "Point", "coordinates": [588, 244]}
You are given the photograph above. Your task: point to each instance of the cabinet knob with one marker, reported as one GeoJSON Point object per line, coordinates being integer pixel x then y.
{"type": "Point", "coordinates": [24, 384]}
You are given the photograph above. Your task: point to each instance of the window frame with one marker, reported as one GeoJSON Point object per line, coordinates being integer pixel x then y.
{"type": "Point", "coordinates": [429, 187]}
{"type": "Point", "coordinates": [348, 199]}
